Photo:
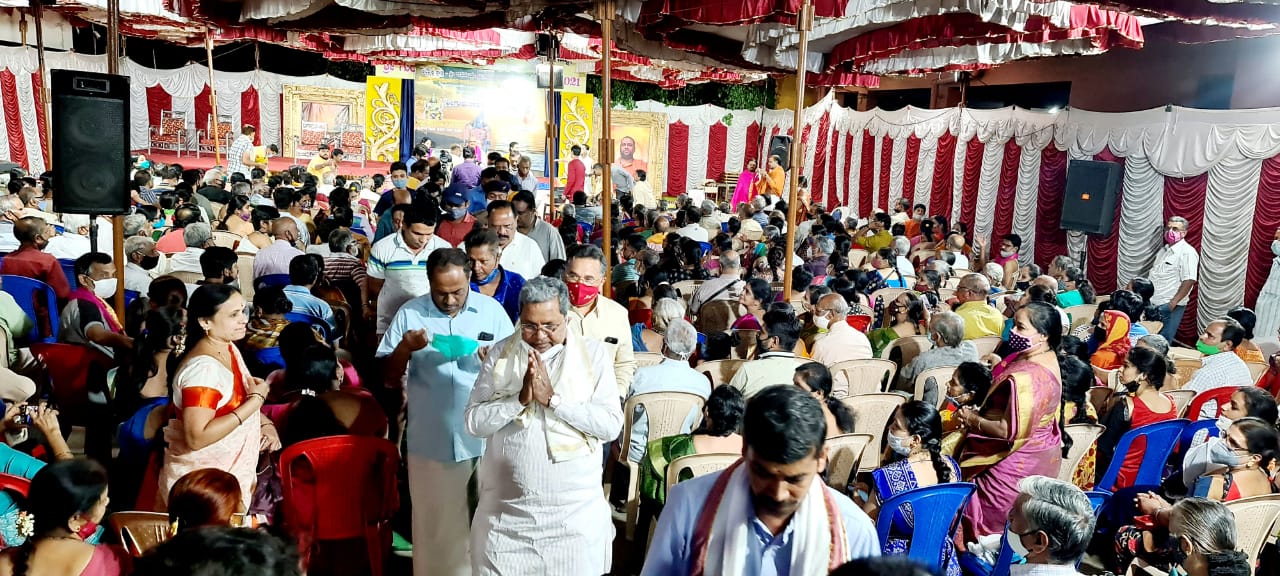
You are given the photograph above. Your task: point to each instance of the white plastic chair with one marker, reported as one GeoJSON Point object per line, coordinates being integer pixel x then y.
{"type": "Point", "coordinates": [865, 376]}
{"type": "Point", "coordinates": [667, 412]}
{"type": "Point", "coordinates": [871, 413]}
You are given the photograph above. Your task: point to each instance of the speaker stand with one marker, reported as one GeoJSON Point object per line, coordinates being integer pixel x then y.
{"type": "Point", "coordinates": [93, 232]}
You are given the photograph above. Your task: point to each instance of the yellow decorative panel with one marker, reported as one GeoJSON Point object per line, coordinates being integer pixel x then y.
{"type": "Point", "coordinates": [577, 112]}
{"type": "Point", "coordinates": [382, 126]}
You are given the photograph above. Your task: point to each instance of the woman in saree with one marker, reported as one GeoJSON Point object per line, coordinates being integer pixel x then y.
{"type": "Point", "coordinates": [1017, 431]}
{"type": "Point", "coordinates": [905, 316]}
{"type": "Point", "coordinates": [1115, 346]}
{"type": "Point", "coordinates": [217, 403]}
{"type": "Point", "coordinates": [746, 188]}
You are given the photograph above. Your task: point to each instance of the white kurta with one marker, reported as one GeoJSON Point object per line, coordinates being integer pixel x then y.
{"type": "Point", "coordinates": [1268, 305]}
{"type": "Point", "coordinates": [537, 516]}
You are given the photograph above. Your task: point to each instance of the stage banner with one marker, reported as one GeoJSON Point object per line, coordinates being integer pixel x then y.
{"type": "Point", "coordinates": [395, 70]}
{"type": "Point", "coordinates": [382, 123]}
{"type": "Point", "coordinates": [485, 107]}
{"type": "Point", "coordinates": [577, 117]}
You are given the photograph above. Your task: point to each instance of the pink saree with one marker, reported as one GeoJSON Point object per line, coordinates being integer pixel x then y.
{"type": "Point", "coordinates": [744, 190]}
{"type": "Point", "coordinates": [1031, 395]}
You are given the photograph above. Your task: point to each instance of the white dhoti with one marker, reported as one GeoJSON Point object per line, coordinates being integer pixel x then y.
{"type": "Point", "coordinates": [441, 519]}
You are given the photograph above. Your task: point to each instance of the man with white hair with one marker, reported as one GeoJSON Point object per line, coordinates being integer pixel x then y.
{"type": "Point", "coordinates": [673, 374]}
{"type": "Point", "coordinates": [842, 342]}
{"type": "Point", "coordinates": [901, 248]}
{"type": "Point", "coordinates": [710, 220]}
{"type": "Point", "coordinates": [141, 258]}
{"type": "Point", "coordinates": [10, 212]}
{"type": "Point", "coordinates": [955, 245]}
{"type": "Point", "coordinates": [214, 189]}
{"type": "Point", "coordinates": [758, 210]}
{"type": "Point", "coordinates": [980, 319]}
{"type": "Point", "coordinates": [1050, 525]}
{"type": "Point", "coordinates": [946, 331]}
{"type": "Point", "coordinates": [197, 237]}
{"type": "Point", "coordinates": [74, 240]}
{"type": "Point", "coordinates": [727, 286]}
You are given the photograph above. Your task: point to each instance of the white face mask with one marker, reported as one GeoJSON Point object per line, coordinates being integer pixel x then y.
{"type": "Point", "coordinates": [105, 288]}
{"type": "Point", "coordinates": [1223, 424]}
{"type": "Point", "coordinates": [899, 444]}
{"type": "Point", "coordinates": [1275, 244]}
{"type": "Point", "coordinates": [1015, 543]}
{"type": "Point", "coordinates": [821, 322]}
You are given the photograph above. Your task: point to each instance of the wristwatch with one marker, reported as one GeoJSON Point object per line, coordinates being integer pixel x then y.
{"type": "Point", "coordinates": [554, 402]}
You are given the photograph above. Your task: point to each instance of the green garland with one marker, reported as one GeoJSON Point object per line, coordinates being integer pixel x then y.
{"type": "Point", "coordinates": [729, 96]}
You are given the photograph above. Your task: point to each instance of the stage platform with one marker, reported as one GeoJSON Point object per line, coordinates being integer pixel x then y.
{"type": "Point", "coordinates": [205, 161]}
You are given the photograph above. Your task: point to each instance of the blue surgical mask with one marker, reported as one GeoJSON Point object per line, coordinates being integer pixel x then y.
{"type": "Point", "coordinates": [400, 183]}
{"type": "Point", "coordinates": [490, 278]}
{"type": "Point", "coordinates": [44, 205]}
{"type": "Point", "coordinates": [457, 213]}
{"type": "Point", "coordinates": [453, 347]}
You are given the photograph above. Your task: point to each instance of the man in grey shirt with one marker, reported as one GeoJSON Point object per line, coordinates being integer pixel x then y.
{"type": "Point", "coordinates": [529, 223]}
{"type": "Point", "coordinates": [621, 180]}
{"type": "Point", "coordinates": [949, 349]}
{"type": "Point", "coordinates": [728, 286]}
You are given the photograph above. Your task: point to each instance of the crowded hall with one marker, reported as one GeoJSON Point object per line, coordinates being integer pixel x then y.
{"type": "Point", "coordinates": [589, 288]}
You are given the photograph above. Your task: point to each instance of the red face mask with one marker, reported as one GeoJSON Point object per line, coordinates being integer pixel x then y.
{"type": "Point", "coordinates": [581, 294]}
{"type": "Point", "coordinates": [87, 530]}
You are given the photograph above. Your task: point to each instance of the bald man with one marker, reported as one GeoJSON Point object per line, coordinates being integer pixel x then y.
{"type": "Point", "coordinates": [274, 259]}
{"type": "Point", "coordinates": [842, 342]}
{"type": "Point", "coordinates": [980, 318]}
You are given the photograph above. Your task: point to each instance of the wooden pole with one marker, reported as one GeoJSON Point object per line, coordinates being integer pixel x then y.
{"type": "Point", "coordinates": [804, 23]}
{"type": "Point", "coordinates": [37, 10]}
{"type": "Point", "coordinates": [606, 137]}
{"type": "Point", "coordinates": [117, 223]}
{"type": "Point", "coordinates": [213, 99]}
{"type": "Point", "coordinates": [551, 127]}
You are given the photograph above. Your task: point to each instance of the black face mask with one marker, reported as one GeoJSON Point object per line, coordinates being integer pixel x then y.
{"type": "Point", "coordinates": [150, 262]}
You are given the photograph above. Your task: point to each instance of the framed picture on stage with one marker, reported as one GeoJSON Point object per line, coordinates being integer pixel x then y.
{"type": "Point", "coordinates": [314, 116]}
{"type": "Point", "coordinates": [640, 143]}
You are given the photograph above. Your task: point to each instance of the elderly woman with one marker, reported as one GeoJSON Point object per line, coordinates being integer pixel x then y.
{"type": "Point", "coordinates": [995, 274]}
{"type": "Point", "coordinates": [1016, 433]}
{"type": "Point", "coordinates": [650, 339]}
{"type": "Point", "coordinates": [1205, 533]}
{"type": "Point", "coordinates": [946, 331]}
{"type": "Point", "coordinates": [490, 278]}
{"type": "Point", "coordinates": [905, 316]}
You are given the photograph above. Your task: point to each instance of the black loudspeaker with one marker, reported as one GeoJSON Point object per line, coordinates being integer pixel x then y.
{"type": "Point", "coordinates": [780, 146]}
{"type": "Point", "coordinates": [90, 142]}
{"type": "Point", "coordinates": [1090, 203]}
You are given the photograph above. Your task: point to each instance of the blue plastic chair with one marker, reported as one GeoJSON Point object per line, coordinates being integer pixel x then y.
{"type": "Point", "coordinates": [1161, 437]}
{"type": "Point", "coordinates": [130, 296]}
{"type": "Point", "coordinates": [24, 291]}
{"type": "Point", "coordinates": [269, 359]}
{"type": "Point", "coordinates": [271, 280]}
{"type": "Point", "coordinates": [68, 268]}
{"type": "Point", "coordinates": [1098, 498]}
{"type": "Point", "coordinates": [316, 323]}
{"type": "Point", "coordinates": [724, 227]}
{"type": "Point", "coordinates": [704, 247]}
{"type": "Point", "coordinates": [932, 508]}
{"type": "Point", "coordinates": [1189, 433]}
{"type": "Point", "coordinates": [972, 565]}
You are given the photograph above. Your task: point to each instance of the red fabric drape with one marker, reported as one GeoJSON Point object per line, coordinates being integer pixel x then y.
{"type": "Point", "coordinates": [832, 198]}
{"type": "Point", "coordinates": [1104, 250]}
{"type": "Point", "coordinates": [36, 83]}
{"type": "Point", "coordinates": [1185, 197]}
{"type": "Point", "coordinates": [753, 146]}
{"type": "Point", "coordinates": [943, 168]}
{"type": "Point", "coordinates": [717, 143]}
{"type": "Point", "coordinates": [867, 176]}
{"type": "Point", "coordinates": [909, 169]}
{"type": "Point", "coordinates": [249, 113]}
{"type": "Point", "coordinates": [849, 187]}
{"type": "Point", "coordinates": [969, 186]}
{"type": "Point", "coordinates": [678, 152]}
{"type": "Point", "coordinates": [1007, 193]}
{"type": "Point", "coordinates": [1051, 239]}
{"type": "Point", "coordinates": [158, 100]}
{"type": "Point", "coordinates": [203, 108]}
{"type": "Point", "coordinates": [13, 119]}
{"type": "Point", "coordinates": [1266, 218]}
{"type": "Point", "coordinates": [886, 161]}
{"type": "Point", "coordinates": [818, 187]}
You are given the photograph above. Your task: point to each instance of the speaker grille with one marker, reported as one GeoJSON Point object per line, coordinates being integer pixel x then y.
{"type": "Point", "coordinates": [91, 155]}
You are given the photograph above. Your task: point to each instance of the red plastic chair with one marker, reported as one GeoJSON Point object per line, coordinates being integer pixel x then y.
{"type": "Point", "coordinates": [15, 484]}
{"type": "Point", "coordinates": [860, 322]}
{"type": "Point", "coordinates": [74, 372]}
{"type": "Point", "coordinates": [339, 488]}
{"type": "Point", "coordinates": [1221, 395]}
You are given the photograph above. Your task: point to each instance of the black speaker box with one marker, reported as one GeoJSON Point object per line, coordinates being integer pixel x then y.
{"type": "Point", "coordinates": [90, 142]}
{"type": "Point", "coordinates": [780, 146]}
{"type": "Point", "coordinates": [1090, 203]}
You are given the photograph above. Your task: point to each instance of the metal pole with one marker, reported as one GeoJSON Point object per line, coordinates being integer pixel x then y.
{"type": "Point", "coordinates": [37, 10]}
{"type": "Point", "coordinates": [804, 23]}
{"type": "Point", "coordinates": [606, 138]}
{"type": "Point", "coordinates": [213, 99]}
{"type": "Point", "coordinates": [551, 127]}
{"type": "Point", "coordinates": [117, 223]}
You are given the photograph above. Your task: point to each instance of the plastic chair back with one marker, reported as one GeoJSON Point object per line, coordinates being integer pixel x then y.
{"type": "Point", "coordinates": [666, 412]}
{"type": "Point", "coordinates": [187, 277]}
{"type": "Point", "coordinates": [986, 345]}
{"type": "Point", "coordinates": [859, 322]}
{"type": "Point", "coordinates": [349, 492]}
{"type": "Point", "coordinates": [857, 377]}
{"type": "Point", "coordinates": [1209, 427]}
{"type": "Point", "coordinates": [269, 359]}
{"type": "Point", "coordinates": [72, 370]}
{"type": "Point", "coordinates": [1082, 438]}
{"type": "Point", "coordinates": [1081, 314]}
{"type": "Point", "coordinates": [1098, 499]}
{"type": "Point", "coordinates": [941, 375]}
{"type": "Point", "coordinates": [1187, 367]}
{"type": "Point", "coordinates": [719, 371]}
{"type": "Point", "coordinates": [69, 270]}
{"type": "Point", "coordinates": [130, 296]}
{"type": "Point", "coordinates": [645, 359]}
{"type": "Point", "coordinates": [907, 347]}
{"type": "Point", "coordinates": [931, 508]}
{"type": "Point", "coordinates": [226, 239]}
{"type": "Point", "coordinates": [40, 303]}
{"type": "Point", "coordinates": [271, 280]}
{"type": "Point", "coordinates": [871, 413]}
{"type": "Point", "coordinates": [1161, 437]}
{"type": "Point", "coordinates": [139, 532]}
{"type": "Point", "coordinates": [16, 484]}
{"type": "Point", "coordinates": [316, 324]}
{"type": "Point", "coordinates": [699, 465]}
{"type": "Point", "coordinates": [1219, 395]}
{"type": "Point", "coordinates": [244, 263]}
{"type": "Point", "coordinates": [844, 454]}
{"type": "Point", "coordinates": [856, 257]}
{"type": "Point", "coordinates": [1255, 519]}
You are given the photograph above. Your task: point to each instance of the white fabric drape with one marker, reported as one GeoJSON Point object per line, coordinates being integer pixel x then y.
{"type": "Point", "coordinates": [735, 150]}
{"type": "Point", "coordinates": [841, 183]}
{"type": "Point", "coordinates": [1024, 204]}
{"type": "Point", "coordinates": [875, 176]}
{"type": "Point", "coordinates": [1142, 214]}
{"type": "Point", "coordinates": [988, 186]}
{"type": "Point", "coordinates": [1229, 204]}
{"type": "Point", "coordinates": [855, 174]}
{"type": "Point", "coordinates": [924, 170]}
{"type": "Point", "coordinates": [957, 179]}
{"type": "Point", "coordinates": [30, 126]}
{"type": "Point", "coordinates": [699, 141]}
{"type": "Point", "coordinates": [897, 168]}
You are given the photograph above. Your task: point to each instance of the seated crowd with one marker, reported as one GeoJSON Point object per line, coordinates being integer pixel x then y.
{"type": "Point", "coordinates": [466, 339]}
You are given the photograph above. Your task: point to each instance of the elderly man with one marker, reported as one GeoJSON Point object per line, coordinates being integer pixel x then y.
{"type": "Point", "coordinates": [710, 221]}
{"type": "Point", "coordinates": [547, 402]}
{"type": "Point", "coordinates": [397, 263]}
{"type": "Point", "coordinates": [1220, 367]}
{"type": "Point", "coordinates": [746, 519]}
{"type": "Point", "coordinates": [842, 342]}
{"type": "Point", "coordinates": [548, 239]}
{"type": "Point", "coordinates": [1174, 275]}
{"type": "Point", "coordinates": [10, 213]}
{"type": "Point", "coordinates": [955, 245]}
{"type": "Point", "coordinates": [673, 374]}
{"type": "Point", "coordinates": [433, 343]}
{"type": "Point", "coordinates": [142, 259]}
{"type": "Point", "coordinates": [1050, 525]}
{"type": "Point", "coordinates": [275, 259]}
{"type": "Point", "coordinates": [73, 242]}
{"type": "Point", "coordinates": [30, 260]}
{"type": "Point", "coordinates": [946, 331]}
{"type": "Point", "coordinates": [727, 286]}
{"type": "Point", "coordinates": [596, 317]}
{"type": "Point", "coordinates": [901, 248]}
{"type": "Point", "coordinates": [775, 362]}
{"type": "Point", "coordinates": [343, 264]}
{"type": "Point", "coordinates": [197, 237]}
{"type": "Point", "coordinates": [520, 254]}
{"type": "Point", "coordinates": [758, 212]}
{"type": "Point", "coordinates": [980, 319]}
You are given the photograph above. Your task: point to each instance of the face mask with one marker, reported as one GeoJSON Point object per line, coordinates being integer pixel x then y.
{"type": "Point", "coordinates": [150, 262]}
{"type": "Point", "coordinates": [158, 224]}
{"type": "Point", "coordinates": [1132, 387]}
{"type": "Point", "coordinates": [1062, 286]}
{"type": "Point", "coordinates": [88, 530]}
{"type": "Point", "coordinates": [899, 444]}
{"type": "Point", "coordinates": [921, 288]}
{"type": "Point", "coordinates": [1223, 424]}
{"type": "Point", "coordinates": [1015, 543]}
{"type": "Point", "coordinates": [44, 207]}
{"type": "Point", "coordinates": [1173, 236]}
{"type": "Point", "coordinates": [457, 213]}
{"type": "Point", "coordinates": [821, 322]}
{"type": "Point", "coordinates": [246, 217]}
{"type": "Point", "coordinates": [105, 288]}
{"type": "Point", "coordinates": [1007, 253]}
{"type": "Point", "coordinates": [490, 278]}
{"type": "Point", "coordinates": [1018, 342]}
{"type": "Point", "coordinates": [145, 164]}
{"type": "Point", "coordinates": [453, 347]}
{"type": "Point", "coordinates": [400, 183]}
{"type": "Point", "coordinates": [1221, 453]}
{"type": "Point", "coordinates": [581, 294]}
{"type": "Point", "coordinates": [1206, 349]}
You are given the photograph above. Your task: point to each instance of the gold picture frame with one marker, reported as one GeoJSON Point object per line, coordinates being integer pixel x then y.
{"type": "Point", "coordinates": [326, 111]}
{"type": "Point", "coordinates": [648, 130]}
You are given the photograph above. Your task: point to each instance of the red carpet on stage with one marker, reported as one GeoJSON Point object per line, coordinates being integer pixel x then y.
{"type": "Point", "coordinates": [279, 163]}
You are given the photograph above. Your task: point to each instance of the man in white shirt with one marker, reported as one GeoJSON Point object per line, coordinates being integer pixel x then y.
{"type": "Point", "coordinates": [955, 245]}
{"type": "Point", "coordinates": [693, 228]}
{"type": "Point", "coordinates": [1220, 367]}
{"type": "Point", "coordinates": [901, 248]}
{"type": "Point", "coordinates": [1174, 276]}
{"type": "Point", "coordinates": [642, 191]}
{"type": "Point", "coordinates": [197, 236]}
{"type": "Point", "coordinates": [73, 242]}
{"type": "Point", "coordinates": [776, 363]}
{"type": "Point", "coordinates": [842, 341]}
{"type": "Point", "coordinates": [1050, 525]}
{"type": "Point", "coordinates": [10, 212]}
{"type": "Point", "coordinates": [529, 223]}
{"type": "Point", "coordinates": [596, 317]}
{"type": "Point", "coordinates": [142, 259]}
{"type": "Point", "coordinates": [398, 264]}
{"type": "Point", "coordinates": [673, 374]}
{"type": "Point", "coordinates": [520, 254]}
